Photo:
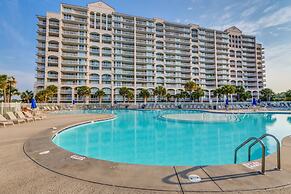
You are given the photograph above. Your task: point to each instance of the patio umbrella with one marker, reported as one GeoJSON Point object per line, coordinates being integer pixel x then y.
{"type": "Point", "coordinates": [33, 103]}
{"type": "Point", "coordinates": [254, 102]}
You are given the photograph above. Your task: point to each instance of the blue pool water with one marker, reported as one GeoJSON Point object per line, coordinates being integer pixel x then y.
{"type": "Point", "coordinates": [142, 137]}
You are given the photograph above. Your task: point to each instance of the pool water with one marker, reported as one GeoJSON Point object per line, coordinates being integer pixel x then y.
{"type": "Point", "coordinates": [143, 137]}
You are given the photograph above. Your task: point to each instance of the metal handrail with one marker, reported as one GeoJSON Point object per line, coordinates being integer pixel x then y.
{"type": "Point", "coordinates": [278, 148]}
{"type": "Point", "coordinates": [263, 152]}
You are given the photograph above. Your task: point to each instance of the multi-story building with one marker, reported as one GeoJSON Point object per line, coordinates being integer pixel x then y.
{"type": "Point", "coordinates": [98, 47]}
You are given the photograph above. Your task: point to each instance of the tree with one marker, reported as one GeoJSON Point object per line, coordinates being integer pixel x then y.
{"type": "Point", "coordinates": [11, 83]}
{"type": "Point", "coordinates": [168, 97]}
{"type": "Point", "coordinates": [246, 95]}
{"type": "Point", "coordinates": [197, 94]}
{"type": "Point", "coordinates": [7, 87]}
{"type": "Point", "coordinates": [51, 91]}
{"type": "Point", "coordinates": [178, 96]}
{"type": "Point", "coordinates": [41, 96]}
{"type": "Point", "coordinates": [84, 91]}
{"type": "Point", "coordinates": [123, 92]}
{"type": "Point", "coordinates": [26, 96]}
{"type": "Point", "coordinates": [218, 93]}
{"type": "Point", "coordinates": [129, 95]}
{"type": "Point", "coordinates": [240, 91]}
{"type": "Point", "coordinates": [160, 92]}
{"type": "Point", "coordinates": [145, 94]}
{"type": "Point", "coordinates": [184, 95]}
{"type": "Point", "coordinates": [100, 94]}
{"type": "Point", "coordinates": [267, 94]}
{"type": "Point", "coordinates": [190, 86]}
{"type": "Point", "coordinates": [3, 86]}
{"type": "Point", "coordinates": [228, 89]}
{"type": "Point", "coordinates": [288, 95]}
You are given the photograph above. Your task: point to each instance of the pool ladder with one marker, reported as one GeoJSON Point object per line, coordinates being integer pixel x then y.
{"type": "Point", "coordinates": [259, 140]}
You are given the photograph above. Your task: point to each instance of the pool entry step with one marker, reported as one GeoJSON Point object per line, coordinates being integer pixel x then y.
{"type": "Point", "coordinates": [256, 141]}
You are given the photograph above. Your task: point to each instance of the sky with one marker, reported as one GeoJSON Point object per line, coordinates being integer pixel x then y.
{"type": "Point", "coordinates": [268, 20]}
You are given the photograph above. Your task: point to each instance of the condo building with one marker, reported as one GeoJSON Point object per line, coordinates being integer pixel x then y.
{"type": "Point", "coordinates": [98, 47]}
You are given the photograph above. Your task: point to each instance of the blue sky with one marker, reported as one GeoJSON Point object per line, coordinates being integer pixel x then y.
{"type": "Point", "coordinates": [269, 20]}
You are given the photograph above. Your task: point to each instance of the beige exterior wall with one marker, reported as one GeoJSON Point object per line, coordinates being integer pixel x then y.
{"type": "Point", "coordinates": [103, 49]}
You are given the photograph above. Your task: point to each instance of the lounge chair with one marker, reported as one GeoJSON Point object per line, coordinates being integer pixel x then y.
{"type": "Point", "coordinates": [4, 121]}
{"type": "Point", "coordinates": [13, 118]}
{"type": "Point", "coordinates": [22, 116]}
{"type": "Point", "coordinates": [39, 114]}
{"type": "Point", "coordinates": [29, 115]}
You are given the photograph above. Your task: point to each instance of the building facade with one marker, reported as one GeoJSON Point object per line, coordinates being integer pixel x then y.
{"type": "Point", "coordinates": [98, 47]}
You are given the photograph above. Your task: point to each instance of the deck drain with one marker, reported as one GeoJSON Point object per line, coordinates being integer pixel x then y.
{"type": "Point", "coordinates": [194, 178]}
{"type": "Point", "coordinates": [44, 152]}
{"type": "Point", "coordinates": [252, 165]}
{"type": "Point", "coordinates": [76, 157]}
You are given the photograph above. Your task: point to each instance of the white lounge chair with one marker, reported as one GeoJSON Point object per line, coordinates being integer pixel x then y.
{"type": "Point", "coordinates": [39, 114]}
{"type": "Point", "coordinates": [13, 118]}
{"type": "Point", "coordinates": [29, 115]}
{"type": "Point", "coordinates": [22, 116]}
{"type": "Point", "coordinates": [4, 121]}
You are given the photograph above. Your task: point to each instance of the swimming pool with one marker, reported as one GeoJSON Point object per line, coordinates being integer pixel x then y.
{"type": "Point", "coordinates": [143, 137]}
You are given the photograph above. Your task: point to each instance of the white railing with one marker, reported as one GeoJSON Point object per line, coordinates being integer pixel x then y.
{"type": "Point", "coordinates": [7, 107]}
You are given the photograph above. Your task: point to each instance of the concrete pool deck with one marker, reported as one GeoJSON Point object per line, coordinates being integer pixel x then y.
{"type": "Point", "coordinates": [25, 170]}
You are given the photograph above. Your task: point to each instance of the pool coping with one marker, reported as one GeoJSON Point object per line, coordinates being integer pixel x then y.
{"type": "Point", "coordinates": [222, 178]}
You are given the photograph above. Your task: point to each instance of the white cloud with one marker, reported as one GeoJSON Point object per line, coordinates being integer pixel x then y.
{"type": "Point", "coordinates": [249, 11]}
{"type": "Point", "coordinates": [189, 8]}
{"type": "Point", "coordinates": [229, 7]}
{"type": "Point", "coordinates": [279, 17]}
{"type": "Point", "coordinates": [225, 16]}
{"type": "Point", "coordinates": [267, 9]}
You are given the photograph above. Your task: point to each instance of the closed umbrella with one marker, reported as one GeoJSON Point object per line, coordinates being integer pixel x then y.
{"type": "Point", "coordinates": [254, 102]}
{"type": "Point", "coordinates": [33, 103]}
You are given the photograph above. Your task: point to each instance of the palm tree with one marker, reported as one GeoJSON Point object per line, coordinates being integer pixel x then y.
{"type": "Point", "coordinates": [168, 97]}
{"type": "Point", "coordinates": [11, 83]}
{"type": "Point", "coordinates": [3, 86]}
{"type": "Point", "coordinates": [51, 90]}
{"type": "Point", "coordinates": [7, 85]}
{"type": "Point", "coordinates": [197, 94]}
{"type": "Point", "coordinates": [129, 95]}
{"type": "Point", "coordinates": [246, 95]}
{"type": "Point", "coordinates": [178, 96]}
{"type": "Point", "coordinates": [239, 90]}
{"type": "Point", "coordinates": [41, 96]}
{"type": "Point", "coordinates": [100, 94]}
{"type": "Point", "coordinates": [184, 95]}
{"type": "Point", "coordinates": [218, 93]}
{"type": "Point", "coordinates": [84, 91]}
{"type": "Point", "coordinates": [190, 86]}
{"type": "Point", "coordinates": [26, 96]}
{"type": "Point", "coordinates": [228, 89]}
{"type": "Point", "coordinates": [123, 92]}
{"type": "Point", "coordinates": [160, 91]}
{"type": "Point", "coordinates": [145, 94]}
{"type": "Point", "coordinates": [267, 94]}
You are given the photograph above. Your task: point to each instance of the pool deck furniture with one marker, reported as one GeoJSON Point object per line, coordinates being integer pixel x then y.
{"type": "Point", "coordinates": [43, 167]}
{"type": "Point", "coordinates": [13, 118]}
{"type": "Point", "coordinates": [4, 121]}
{"type": "Point", "coordinates": [29, 115]}
{"type": "Point", "coordinates": [22, 116]}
